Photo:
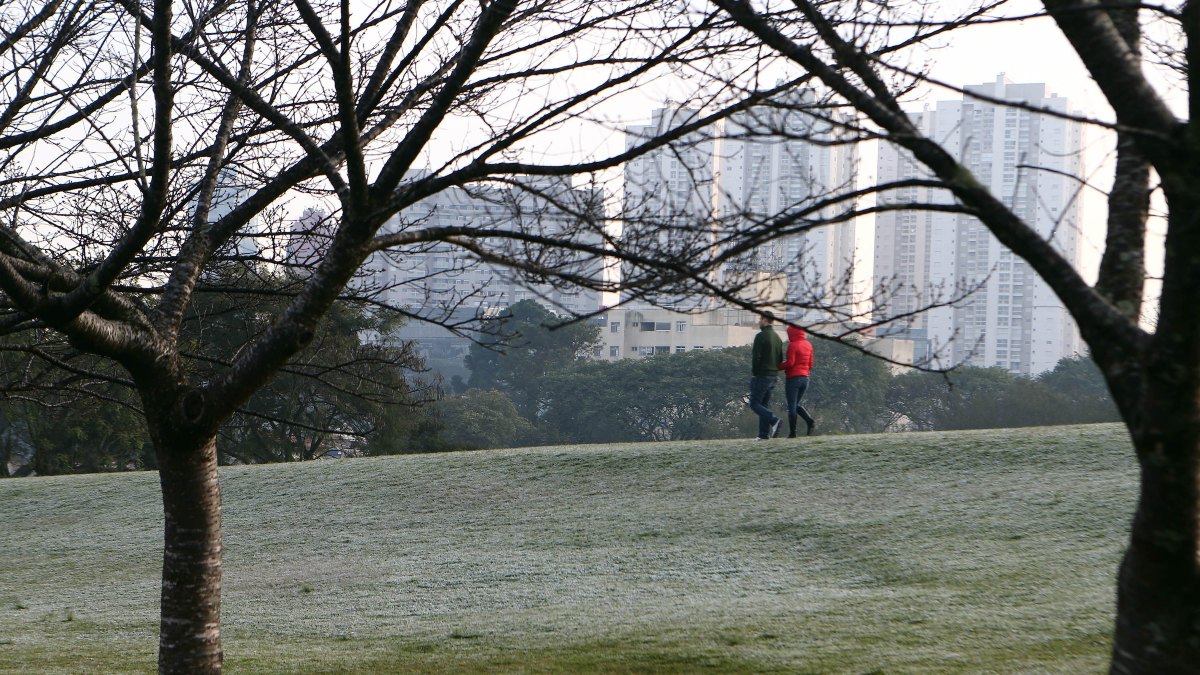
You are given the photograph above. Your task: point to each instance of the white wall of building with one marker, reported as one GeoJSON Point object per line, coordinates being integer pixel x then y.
{"type": "Point", "coordinates": [435, 278]}
{"type": "Point", "coordinates": [642, 332]}
{"type": "Point", "coordinates": [777, 160]}
{"type": "Point", "coordinates": [1013, 320]}
{"type": "Point", "coordinates": [758, 164]}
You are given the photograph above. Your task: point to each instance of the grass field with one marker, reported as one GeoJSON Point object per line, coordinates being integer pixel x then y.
{"type": "Point", "coordinates": [970, 552]}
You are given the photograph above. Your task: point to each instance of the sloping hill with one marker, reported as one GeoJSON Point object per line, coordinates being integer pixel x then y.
{"type": "Point", "coordinates": [911, 553]}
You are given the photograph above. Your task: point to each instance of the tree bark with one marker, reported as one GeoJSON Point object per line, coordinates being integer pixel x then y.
{"type": "Point", "coordinates": [190, 630]}
{"type": "Point", "coordinates": [1123, 268]}
{"type": "Point", "coordinates": [1158, 587]}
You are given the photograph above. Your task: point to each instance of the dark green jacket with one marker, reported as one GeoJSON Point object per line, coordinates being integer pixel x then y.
{"type": "Point", "coordinates": [767, 353]}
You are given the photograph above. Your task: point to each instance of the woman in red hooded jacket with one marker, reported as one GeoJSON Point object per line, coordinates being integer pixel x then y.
{"type": "Point", "coordinates": [797, 363]}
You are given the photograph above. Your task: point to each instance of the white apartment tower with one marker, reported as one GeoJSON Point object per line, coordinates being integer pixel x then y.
{"type": "Point", "coordinates": [668, 192]}
{"type": "Point", "coordinates": [781, 160]}
{"type": "Point", "coordinates": [230, 191]}
{"type": "Point", "coordinates": [728, 180]}
{"type": "Point", "coordinates": [670, 186]}
{"type": "Point", "coordinates": [434, 279]}
{"type": "Point", "coordinates": [1011, 319]}
{"type": "Point", "coordinates": [448, 286]}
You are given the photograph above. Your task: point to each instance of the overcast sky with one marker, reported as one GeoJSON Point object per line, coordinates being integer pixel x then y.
{"type": "Point", "coordinates": [1029, 51]}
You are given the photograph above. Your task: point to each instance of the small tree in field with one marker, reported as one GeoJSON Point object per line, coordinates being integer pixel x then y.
{"type": "Point", "coordinates": [145, 146]}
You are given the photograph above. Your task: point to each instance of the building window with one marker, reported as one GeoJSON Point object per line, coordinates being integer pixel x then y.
{"type": "Point", "coordinates": [596, 351]}
{"type": "Point", "coordinates": [614, 327]}
{"type": "Point", "coordinates": [662, 349]}
{"type": "Point", "coordinates": [614, 351]}
{"type": "Point", "coordinates": [680, 326]}
{"type": "Point", "coordinates": [646, 351]}
{"type": "Point", "coordinates": [679, 349]}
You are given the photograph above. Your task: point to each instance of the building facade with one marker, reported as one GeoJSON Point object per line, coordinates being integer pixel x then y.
{"type": "Point", "coordinates": [720, 184]}
{"type": "Point", "coordinates": [983, 306]}
{"type": "Point", "coordinates": [449, 286]}
{"type": "Point", "coordinates": [667, 203]}
{"type": "Point", "coordinates": [644, 332]}
{"type": "Point", "coordinates": [648, 331]}
{"type": "Point", "coordinates": [781, 160]}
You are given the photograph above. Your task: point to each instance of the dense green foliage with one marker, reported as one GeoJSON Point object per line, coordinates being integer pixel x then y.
{"type": "Point", "coordinates": [483, 418]}
{"type": "Point", "coordinates": [562, 397]}
{"type": "Point", "coordinates": [332, 396]}
{"type": "Point", "coordinates": [667, 397]}
{"type": "Point", "coordinates": [517, 350]}
{"type": "Point", "coordinates": [64, 432]}
{"type": "Point", "coordinates": [1073, 392]}
{"type": "Point", "coordinates": [51, 423]}
{"type": "Point", "coordinates": [337, 395]}
{"type": "Point", "coordinates": [529, 385]}
{"type": "Point", "coordinates": [848, 387]}
{"type": "Point", "coordinates": [1082, 389]}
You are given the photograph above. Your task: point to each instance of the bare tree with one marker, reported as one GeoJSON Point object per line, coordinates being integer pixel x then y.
{"type": "Point", "coordinates": [855, 51]}
{"type": "Point", "coordinates": [124, 124]}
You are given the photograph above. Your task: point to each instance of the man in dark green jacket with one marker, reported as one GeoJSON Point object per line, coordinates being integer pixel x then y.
{"type": "Point", "coordinates": [765, 358]}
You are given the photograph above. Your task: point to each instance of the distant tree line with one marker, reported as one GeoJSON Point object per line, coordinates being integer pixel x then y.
{"type": "Point", "coordinates": [530, 384]}
{"type": "Point", "coordinates": [343, 395]}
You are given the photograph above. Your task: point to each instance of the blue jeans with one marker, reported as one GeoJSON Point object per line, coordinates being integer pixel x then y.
{"type": "Point", "coordinates": [793, 389]}
{"type": "Point", "coordinates": [760, 396]}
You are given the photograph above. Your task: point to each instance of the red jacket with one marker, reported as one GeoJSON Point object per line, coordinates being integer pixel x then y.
{"type": "Point", "coordinates": [798, 359]}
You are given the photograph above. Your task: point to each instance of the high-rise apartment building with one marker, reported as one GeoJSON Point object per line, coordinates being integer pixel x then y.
{"type": "Point", "coordinates": [781, 160]}
{"type": "Point", "coordinates": [309, 238]}
{"type": "Point", "coordinates": [1003, 314]}
{"type": "Point", "coordinates": [449, 285]}
{"type": "Point", "coordinates": [727, 180]}
{"type": "Point", "coordinates": [669, 190]}
{"type": "Point", "coordinates": [667, 208]}
{"type": "Point", "coordinates": [230, 191]}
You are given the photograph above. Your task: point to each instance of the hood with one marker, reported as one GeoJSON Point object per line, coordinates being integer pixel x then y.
{"type": "Point", "coordinates": [795, 333]}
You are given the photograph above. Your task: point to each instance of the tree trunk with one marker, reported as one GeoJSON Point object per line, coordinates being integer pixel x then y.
{"type": "Point", "coordinates": [1158, 588]}
{"type": "Point", "coordinates": [190, 630]}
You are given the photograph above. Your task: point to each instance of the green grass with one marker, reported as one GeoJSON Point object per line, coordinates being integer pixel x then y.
{"type": "Point", "coordinates": [973, 552]}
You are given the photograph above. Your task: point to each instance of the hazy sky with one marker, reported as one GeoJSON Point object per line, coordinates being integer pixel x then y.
{"type": "Point", "coordinates": [1029, 51]}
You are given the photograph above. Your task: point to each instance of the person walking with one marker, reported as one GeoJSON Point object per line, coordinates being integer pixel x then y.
{"type": "Point", "coordinates": [796, 368]}
{"type": "Point", "coordinates": [766, 354]}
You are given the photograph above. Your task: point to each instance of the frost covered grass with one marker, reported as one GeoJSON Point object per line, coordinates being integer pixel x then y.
{"type": "Point", "coordinates": [967, 552]}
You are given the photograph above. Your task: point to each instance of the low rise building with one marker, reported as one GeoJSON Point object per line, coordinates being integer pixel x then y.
{"type": "Point", "coordinates": [646, 331]}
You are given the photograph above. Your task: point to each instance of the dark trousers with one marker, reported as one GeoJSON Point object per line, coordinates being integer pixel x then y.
{"type": "Point", "coordinates": [793, 390]}
{"type": "Point", "coordinates": [761, 387]}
